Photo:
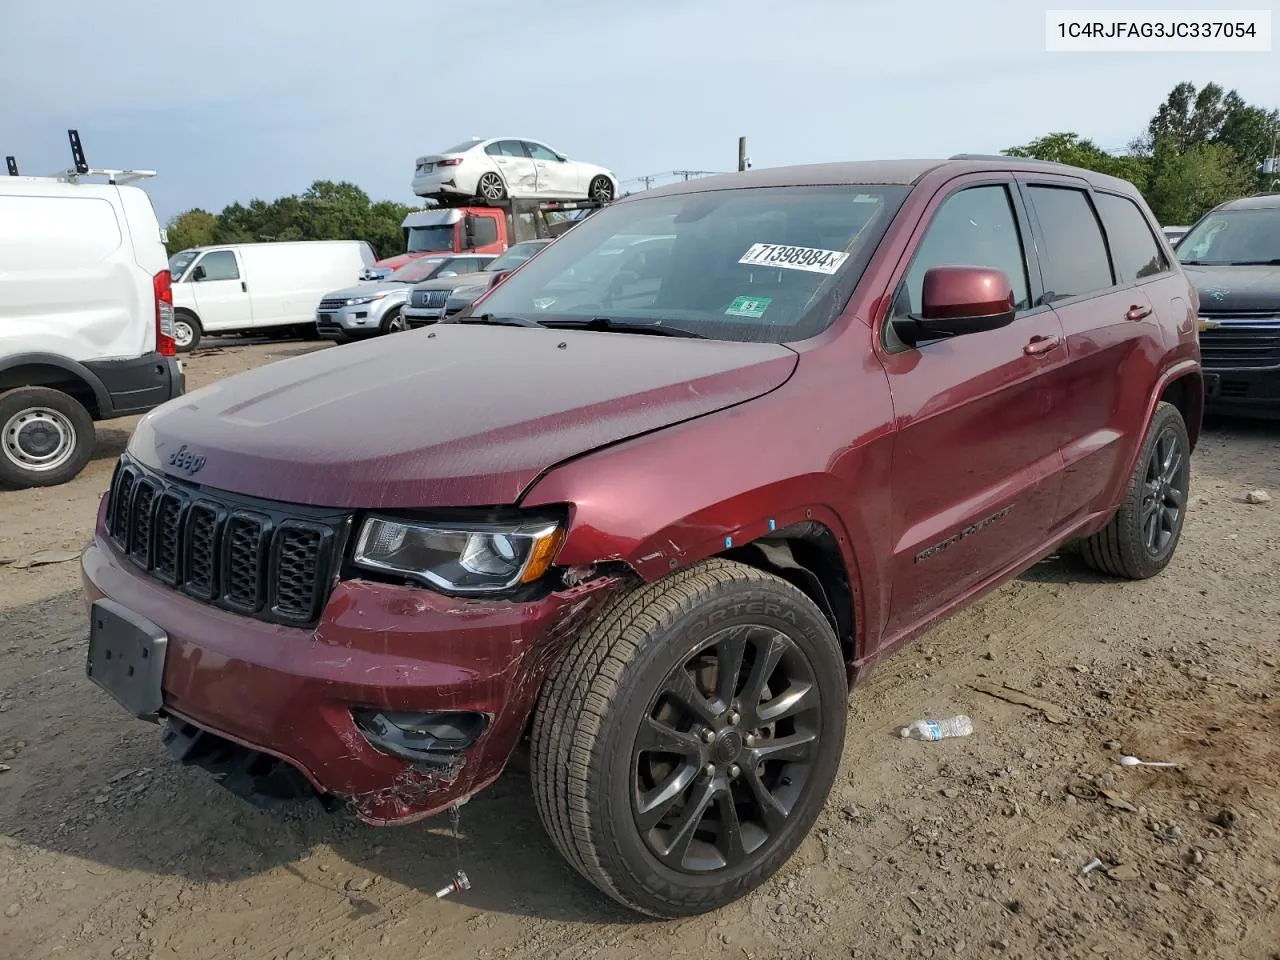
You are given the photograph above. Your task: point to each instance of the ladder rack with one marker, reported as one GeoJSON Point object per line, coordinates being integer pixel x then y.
{"type": "Point", "coordinates": [82, 168]}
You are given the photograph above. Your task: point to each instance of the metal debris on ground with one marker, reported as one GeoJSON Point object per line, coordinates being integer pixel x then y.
{"type": "Point", "coordinates": [458, 883]}
{"type": "Point", "coordinates": [1091, 866]}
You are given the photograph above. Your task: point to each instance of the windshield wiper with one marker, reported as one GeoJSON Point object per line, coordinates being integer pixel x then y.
{"type": "Point", "coordinates": [492, 319]}
{"type": "Point", "coordinates": [609, 325]}
{"type": "Point", "coordinates": [1274, 262]}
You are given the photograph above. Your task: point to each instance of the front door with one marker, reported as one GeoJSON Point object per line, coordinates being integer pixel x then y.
{"type": "Point", "coordinates": [221, 291]}
{"type": "Point", "coordinates": [556, 178]}
{"type": "Point", "coordinates": [976, 459]}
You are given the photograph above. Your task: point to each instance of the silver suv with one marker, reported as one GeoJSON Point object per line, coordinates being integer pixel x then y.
{"type": "Point", "coordinates": [374, 307]}
{"type": "Point", "coordinates": [437, 299]}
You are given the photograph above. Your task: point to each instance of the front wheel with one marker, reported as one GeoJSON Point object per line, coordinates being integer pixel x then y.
{"type": "Point", "coordinates": [686, 742]}
{"type": "Point", "coordinates": [1141, 537]}
{"type": "Point", "coordinates": [601, 189]}
{"type": "Point", "coordinates": [46, 437]}
{"type": "Point", "coordinates": [186, 332]}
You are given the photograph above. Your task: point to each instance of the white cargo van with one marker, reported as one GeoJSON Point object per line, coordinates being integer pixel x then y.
{"type": "Point", "coordinates": [86, 321]}
{"type": "Point", "coordinates": [234, 288]}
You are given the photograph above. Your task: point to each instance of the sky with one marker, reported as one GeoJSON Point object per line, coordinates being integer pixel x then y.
{"type": "Point", "coordinates": [257, 98]}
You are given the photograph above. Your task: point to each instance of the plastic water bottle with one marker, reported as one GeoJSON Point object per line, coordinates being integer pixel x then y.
{"type": "Point", "coordinates": [960, 726]}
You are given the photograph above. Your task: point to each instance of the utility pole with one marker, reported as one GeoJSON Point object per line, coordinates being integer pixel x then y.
{"type": "Point", "coordinates": [648, 179]}
{"type": "Point", "coordinates": [743, 162]}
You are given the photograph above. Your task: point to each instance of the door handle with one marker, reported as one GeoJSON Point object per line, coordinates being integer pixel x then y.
{"type": "Point", "coordinates": [1137, 313]}
{"type": "Point", "coordinates": [244, 287]}
{"type": "Point", "coordinates": [1039, 346]}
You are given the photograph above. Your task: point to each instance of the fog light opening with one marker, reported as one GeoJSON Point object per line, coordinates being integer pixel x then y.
{"type": "Point", "coordinates": [432, 737]}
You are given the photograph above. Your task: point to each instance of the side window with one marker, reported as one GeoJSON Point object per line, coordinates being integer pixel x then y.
{"type": "Point", "coordinates": [539, 152]}
{"type": "Point", "coordinates": [1134, 247]}
{"type": "Point", "coordinates": [220, 265]}
{"type": "Point", "coordinates": [975, 227]}
{"type": "Point", "coordinates": [513, 148]}
{"type": "Point", "coordinates": [486, 231]}
{"type": "Point", "coordinates": [494, 149]}
{"type": "Point", "coordinates": [1075, 256]}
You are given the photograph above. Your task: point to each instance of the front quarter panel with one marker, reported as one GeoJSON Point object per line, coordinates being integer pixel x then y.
{"type": "Point", "coordinates": [817, 449]}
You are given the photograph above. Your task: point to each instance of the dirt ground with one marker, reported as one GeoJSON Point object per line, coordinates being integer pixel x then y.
{"type": "Point", "coordinates": [965, 848]}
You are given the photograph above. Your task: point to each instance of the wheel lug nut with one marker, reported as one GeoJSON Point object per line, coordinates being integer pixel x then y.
{"type": "Point", "coordinates": [734, 717]}
{"type": "Point", "coordinates": [708, 736]}
{"type": "Point", "coordinates": [751, 739]}
{"type": "Point", "coordinates": [709, 769]}
{"type": "Point", "coordinates": [734, 771]}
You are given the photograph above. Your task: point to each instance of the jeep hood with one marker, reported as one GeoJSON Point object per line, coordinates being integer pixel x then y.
{"type": "Point", "coordinates": [454, 415]}
{"type": "Point", "coordinates": [1234, 289]}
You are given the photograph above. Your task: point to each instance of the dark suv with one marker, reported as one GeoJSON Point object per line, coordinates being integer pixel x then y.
{"type": "Point", "coordinates": [656, 519]}
{"type": "Point", "coordinates": [1232, 255]}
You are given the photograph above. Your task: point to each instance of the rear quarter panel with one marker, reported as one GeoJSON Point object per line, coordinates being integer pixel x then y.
{"type": "Point", "coordinates": [71, 281]}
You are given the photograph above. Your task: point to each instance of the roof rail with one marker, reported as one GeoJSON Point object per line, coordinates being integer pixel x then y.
{"type": "Point", "coordinates": [1004, 158]}
{"type": "Point", "coordinates": [82, 168]}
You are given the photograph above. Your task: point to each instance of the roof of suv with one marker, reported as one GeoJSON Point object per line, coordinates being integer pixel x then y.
{"type": "Point", "coordinates": [1263, 201]}
{"type": "Point", "coordinates": [878, 172]}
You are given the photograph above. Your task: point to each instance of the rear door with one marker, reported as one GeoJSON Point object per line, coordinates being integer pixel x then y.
{"type": "Point", "coordinates": [976, 461]}
{"type": "Point", "coordinates": [1091, 281]}
{"type": "Point", "coordinates": [516, 167]}
{"type": "Point", "coordinates": [221, 291]}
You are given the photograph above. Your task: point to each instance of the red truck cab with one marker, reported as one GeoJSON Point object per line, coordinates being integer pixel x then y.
{"type": "Point", "coordinates": [481, 229]}
{"type": "Point", "coordinates": [656, 504]}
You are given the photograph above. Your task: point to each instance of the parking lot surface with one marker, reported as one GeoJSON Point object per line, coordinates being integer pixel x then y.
{"type": "Point", "coordinates": [965, 848]}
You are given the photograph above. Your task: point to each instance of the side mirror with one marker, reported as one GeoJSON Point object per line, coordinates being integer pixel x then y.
{"type": "Point", "coordinates": [469, 232]}
{"type": "Point", "coordinates": [197, 274]}
{"type": "Point", "coordinates": [957, 301]}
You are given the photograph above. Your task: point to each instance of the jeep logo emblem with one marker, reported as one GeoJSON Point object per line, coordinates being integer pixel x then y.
{"type": "Point", "coordinates": [180, 459]}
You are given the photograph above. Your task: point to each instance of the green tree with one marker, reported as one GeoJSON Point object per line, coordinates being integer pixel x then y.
{"type": "Point", "coordinates": [192, 228]}
{"type": "Point", "coordinates": [1185, 183]}
{"type": "Point", "coordinates": [1073, 149]}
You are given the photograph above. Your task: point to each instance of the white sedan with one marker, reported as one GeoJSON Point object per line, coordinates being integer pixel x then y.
{"type": "Point", "coordinates": [506, 168]}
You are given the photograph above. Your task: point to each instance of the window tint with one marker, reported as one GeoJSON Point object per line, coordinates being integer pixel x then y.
{"type": "Point", "coordinates": [1075, 257]}
{"type": "Point", "coordinates": [486, 231]}
{"type": "Point", "coordinates": [975, 227]}
{"type": "Point", "coordinates": [1134, 248]}
{"type": "Point", "coordinates": [220, 265]}
{"type": "Point", "coordinates": [539, 152]}
{"type": "Point", "coordinates": [508, 148]}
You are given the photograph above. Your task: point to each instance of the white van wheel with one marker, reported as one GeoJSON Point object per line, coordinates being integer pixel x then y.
{"type": "Point", "coordinates": [186, 332]}
{"type": "Point", "coordinates": [46, 437]}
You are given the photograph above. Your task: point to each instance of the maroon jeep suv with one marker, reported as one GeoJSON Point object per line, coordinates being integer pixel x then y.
{"type": "Point", "coordinates": [654, 503]}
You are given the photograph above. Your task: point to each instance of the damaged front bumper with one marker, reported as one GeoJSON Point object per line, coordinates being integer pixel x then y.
{"type": "Point", "coordinates": [400, 704]}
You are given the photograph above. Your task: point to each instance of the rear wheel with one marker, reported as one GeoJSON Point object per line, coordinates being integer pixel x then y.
{"type": "Point", "coordinates": [394, 322]}
{"type": "Point", "coordinates": [46, 437]}
{"type": "Point", "coordinates": [186, 331]}
{"type": "Point", "coordinates": [686, 743]}
{"type": "Point", "coordinates": [1140, 539]}
{"type": "Point", "coordinates": [491, 188]}
{"type": "Point", "coordinates": [601, 189]}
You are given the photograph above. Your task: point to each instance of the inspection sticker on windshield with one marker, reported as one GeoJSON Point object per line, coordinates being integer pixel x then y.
{"type": "Point", "coordinates": [794, 258]}
{"type": "Point", "coordinates": [753, 307]}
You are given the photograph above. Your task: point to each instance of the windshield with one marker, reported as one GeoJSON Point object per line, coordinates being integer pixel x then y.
{"type": "Point", "coordinates": [516, 255]}
{"type": "Point", "coordinates": [429, 239]}
{"type": "Point", "coordinates": [179, 262]}
{"type": "Point", "coordinates": [1233, 237]}
{"type": "Point", "coordinates": [417, 270]}
{"type": "Point", "coordinates": [763, 264]}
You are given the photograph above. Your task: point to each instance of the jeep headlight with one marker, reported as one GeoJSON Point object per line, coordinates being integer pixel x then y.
{"type": "Point", "coordinates": [358, 301]}
{"type": "Point", "coordinates": [460, 557]}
